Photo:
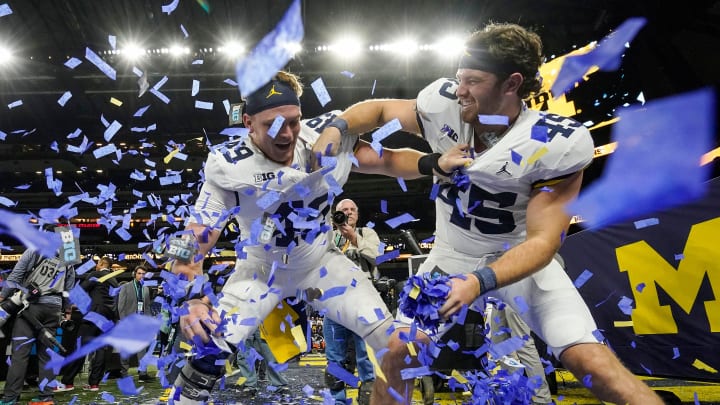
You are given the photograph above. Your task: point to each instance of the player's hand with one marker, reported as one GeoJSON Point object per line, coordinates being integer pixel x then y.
{"type": "Point", "coordinates": [346, 230]}
{"type": "Point", "coordinates": [200, 320]}
{"type": "Point", "coordinates": [455, 157]}
{"type": "Point", "coordinates": [327, 144]}
{"type": "Point", "coordinates": [463, 291]}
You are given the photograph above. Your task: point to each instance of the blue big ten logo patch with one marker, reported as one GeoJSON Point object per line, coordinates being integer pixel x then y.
{"type": "Point", "coordinates": [263, 177]}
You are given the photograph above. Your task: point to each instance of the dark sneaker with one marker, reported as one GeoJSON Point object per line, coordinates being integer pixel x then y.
{"type": "Point", "coordinates": [364, 392]}
{"type": "Point", "coordinates": [91, 387]}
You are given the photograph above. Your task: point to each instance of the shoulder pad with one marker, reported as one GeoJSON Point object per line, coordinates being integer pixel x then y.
{"type": "Point", "coordinates": [437, 96]}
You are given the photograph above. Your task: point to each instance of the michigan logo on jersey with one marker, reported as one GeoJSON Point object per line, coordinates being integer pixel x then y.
{"type": "Point", "coordinates": [273, 92]}
{"type": "Point", "coordinates": [449, 132]}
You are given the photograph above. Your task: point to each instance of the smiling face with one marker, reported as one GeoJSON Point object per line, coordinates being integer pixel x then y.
{"type": "Point", "coordinates": [280, 148]}
{"type": "Point", "coordinates": [479, 93]}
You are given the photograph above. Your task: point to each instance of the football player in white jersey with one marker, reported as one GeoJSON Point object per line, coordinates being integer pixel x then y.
{"type": "Point", "coordinates": [502, 231]}
{"type": "Point", "coordinates": [281, 207]}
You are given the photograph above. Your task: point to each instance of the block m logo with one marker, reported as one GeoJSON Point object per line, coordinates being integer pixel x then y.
{"type": "Point", "coordinates": [644, 265]}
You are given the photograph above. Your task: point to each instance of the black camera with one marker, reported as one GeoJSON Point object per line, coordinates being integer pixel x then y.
{"type": "Point", "coordinates": [11, 307]}
{"type": "Point", "coordinates": [386, 288]}
{"type": "Point", "coordinates": [68, 325]}
{"type": "Point", "coordinates": [339, 218]}
{"type": "Point", "coordinates": [17, 302]}
{"type": "Point", "coordinates": [384, 284]}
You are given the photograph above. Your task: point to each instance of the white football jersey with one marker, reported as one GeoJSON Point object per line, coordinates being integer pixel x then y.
{"type": "Point", "coordinates": [490, 215]}
{"type": "Point", "coordinates": [281, 211]}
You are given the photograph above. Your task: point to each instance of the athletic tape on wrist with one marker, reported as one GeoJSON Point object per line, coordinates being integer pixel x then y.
{"type": "Point", "coordinates": [487, 278]}
{"type": "Point", "coordinates": [427, 163]}
{"type": "Point", "coordinates": [436, 166]}
{"type": "Point", "coordinates": [340, 124]}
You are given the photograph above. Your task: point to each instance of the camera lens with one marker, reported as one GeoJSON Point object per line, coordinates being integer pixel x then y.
{"type": "Point", "coordinates": [68, 325]}
{"type": "Point", "coordinates": [339, 217]}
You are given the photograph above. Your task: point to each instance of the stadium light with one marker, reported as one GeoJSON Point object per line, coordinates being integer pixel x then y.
{"type": "Point", "coordinates": [6, 55]}
{"type": "Point", "coordinates": [405, 47]}
{"type": "Point", "coordinates": [231, 49]}
{"type": "Point", "coordinates": [178, 50]}
{"type": "Point", "coordinates": [449, 46]}
{"type": "Point", "coordinates": [294, 47]}
{"type": "Point", "coordinates": [132, 52]}
{"type": "Point", "coordinates": [348, 47]}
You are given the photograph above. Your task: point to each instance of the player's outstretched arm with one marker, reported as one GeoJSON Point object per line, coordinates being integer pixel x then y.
{"type": "Point", "coordinates": [364, 117]}
{"type": "Point", "coordinates": [408, 163]}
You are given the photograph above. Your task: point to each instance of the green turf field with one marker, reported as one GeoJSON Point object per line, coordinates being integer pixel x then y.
{"type": "Point", "coordinates": [308, 372]}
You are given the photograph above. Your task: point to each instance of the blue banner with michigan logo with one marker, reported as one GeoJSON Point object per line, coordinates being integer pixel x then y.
{"type": "Point", "coordinates": [653, 286]}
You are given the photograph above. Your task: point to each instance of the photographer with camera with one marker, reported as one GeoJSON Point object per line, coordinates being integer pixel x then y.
{"type": "Point", "coordinates": [361, 246]}
{"type": "Point", "coordinates": [97, 284]}
{"type": "Point", "coordinates": [33, 294]}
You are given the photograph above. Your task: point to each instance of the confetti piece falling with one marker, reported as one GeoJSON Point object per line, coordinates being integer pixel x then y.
{"type": "Point", "coordinates": [5, 10]}
{"type": "Point", "coordinates": [72, 63]}
{"type": "Point", "coordinates": [539, 133]}
{"type": "Point", "coordinates": [651, 170]}
{"type": "Point", "coordinates": [101, 64]}
{"type": "Point", "coordinates": [272, 53]}
{"type": "Point", "coordinates": [129, 336]}
{"type": "Point", "coordinates": [321, 92]}
{"type": "Point", "coordinates": [169, 8]}
{"type": "Point", "coordinates": [399, 220]}
{"type": "Point", "coordinates": [204, 105]}
{"type": "Point", "coordinates": [195, 88]}
{"type": "Point", "coordinates": [64, 98]}
{"type": "Point", "coordinates": [111, 131]}
{"type": "Point", "coordinates": [700, 365]}
{"type": "Point", "coordinates": [141, 111]}
{"type": "Point", "coordinates": [583, 278]}
{"type": "Point", "coordinates": [17, 225]}
{"type": "Point", "coordinates": [644, 223]}
{"type": "Point", "coordinates": [276, 126]}
{"type": "Point", "coordinates": [494, 119]}
{"type": "Point", "coordinates": [607, 56]}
